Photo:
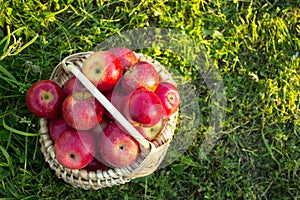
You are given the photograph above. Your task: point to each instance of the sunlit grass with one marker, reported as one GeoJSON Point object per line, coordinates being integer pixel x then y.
{"type": "Point", "coordinates": [255, 46]}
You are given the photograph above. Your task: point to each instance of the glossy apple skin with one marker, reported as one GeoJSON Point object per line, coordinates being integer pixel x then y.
{"type": "Point", "coordinates": [56, 127]}
{"type": "Point", "coordinates": [96, 165]}
{"type": "Point", "coordinates": [44, 99]}
{"type": "Point", "coordinates": [75, 149]}
{"type": "Point", "coordinates": [126, 56]}
{"type": "Point", "coordinates": [98, 129]}
{"type": "Point", "coordinates": [73, 85]}
{"type": "Point", "coordinates": [117, 148]}
{"type": "Point", "coordinates": [151, 132]}
{"type": "Point", "coordinates": [116, 97]}
{"type": "Point", "coordinates": [103, 69]}
{"type": "Point", "coordinates": [141, 75]}
{"type": "Point", "coordinates": [82, 111]}
{"type": "Point", "coordinates": [143, 108]}
{"type": "Point", "coordinates": [169, 96]}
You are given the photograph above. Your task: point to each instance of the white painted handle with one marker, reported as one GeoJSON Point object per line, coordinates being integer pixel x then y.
{"type": "Point", "coordinates": [108, 105]}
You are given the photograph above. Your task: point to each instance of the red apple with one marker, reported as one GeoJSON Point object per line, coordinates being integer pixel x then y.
{"type": "Point", "coordinates": [117, 148]}
{"type": "Point", "coordinates": [98, 129]}
{"type": "Point", "coordinates": [56, 127]}
{"type": "Point", "coordinates": [82, 111]}
{"type": "Point", "coordinates": [150, 132]}
{"type": "Point", "coordinates": [126, 56]}
{"type": "Point", "coordinates": [96, 165]}
{"type": "Point", "coordinates": [103, 69]}
{"type": "Point", "coordinates": [73, 85]}
{"type": "Point", "coordinates": [108, 95]}
{"type": "Point", "coordinates": [75, 149]}
{"type": "Point", "coordinates": [44, 99]}
{"type": "Point", "coordinates": [115, 97]}
{"type": "Point", "coordinates": [143, 107]}
{"type": "Point", "coordinates": [140, 75]}
{"type": "Point", "coordinates": [169, 96]}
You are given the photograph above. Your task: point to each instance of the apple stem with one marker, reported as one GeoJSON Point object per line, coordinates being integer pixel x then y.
{"type": "Point", "coordinates": [107, 104]}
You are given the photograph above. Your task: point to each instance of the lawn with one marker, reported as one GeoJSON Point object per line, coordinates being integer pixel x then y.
{"type": "Point", "coordinates": [243, 142]}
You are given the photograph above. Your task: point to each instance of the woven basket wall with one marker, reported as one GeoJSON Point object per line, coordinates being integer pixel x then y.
{"type": "Point", "coordinates": [148, 160]}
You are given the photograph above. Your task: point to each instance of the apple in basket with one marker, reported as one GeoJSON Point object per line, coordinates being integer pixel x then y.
{"type": "Point", "coordinates": [103, 69]}
{"type": "Point", "coordinates": [151, 132]}
{"type": "Point", "coordinates": [97, 130]}
{"type": "Point", "coordinates": [117, 147]}
{"type": "Point", "coordinates": [82, 111]}
{"type": "Point", "coordinates": [73, 85]}
{"type": "Point", "coordinates": [116, 97]}
{"type": "Point", "coordinates": [95, 165]}
{"type": "Point", "coordinates": [56, 127]}
{"type": "Point", "coordinates": [169, 96]}
{"type": "Point", "coordinates": [140, 75]}
{"type": "Point", "coordinates": [75, 149]}
{"type": "Point", "coordinates": [44, 99]}
{"type": "Point", "coordinates": [143, 108]}
{"type": "Point", "coordinates": [126, 56]}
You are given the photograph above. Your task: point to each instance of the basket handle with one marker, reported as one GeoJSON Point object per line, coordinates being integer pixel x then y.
{"type": "Point", "coordinates": [107, 104]}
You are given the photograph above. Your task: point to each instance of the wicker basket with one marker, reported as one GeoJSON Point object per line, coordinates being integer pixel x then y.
{"type": "Point", "coordinates": [152, 153]}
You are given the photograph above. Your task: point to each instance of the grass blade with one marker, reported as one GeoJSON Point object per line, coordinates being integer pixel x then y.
{"type": "Point", "coordinates": [8, 36]}
{"type": "Point", "coordinates": [7, 73]}
{"type": "Point", "coordinates": [18, 131]}
{"type": "Point", "coordinates": [10, 81]}
{"type": "Point", "coordinates": [8, 39]}
{"type": "Point", "coordinates": [6, 155]}
{"type": "Point", "coordinates": [26, 45]}
{"type": "Point", "coordinates": [8, 159]}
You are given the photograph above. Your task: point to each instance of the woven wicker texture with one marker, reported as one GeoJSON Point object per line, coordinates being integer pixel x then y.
{"type": "Point", "coordinates": [148, 160]}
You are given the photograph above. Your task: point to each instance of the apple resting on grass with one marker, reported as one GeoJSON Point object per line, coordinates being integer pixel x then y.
{"type": "Point", "coordinates": [44, 99]}
{"type": "Point", "coordinates": [140, 75]}
{"type": "Point", "coordinates": [126, 56]}
{"type": "Point", "coordinates": [82, 111]}
{"type": "Point", "coordinates": [143, 107]}
{"type": "Point", "coordinates": [103, 69]}
{"type": "Point", "coordinates": [169, 96]}
{"type": "Point", "coordinates": [117, 147]}
{"type": "Point", "coordinates": [73, 85]}
{"type": "Point", "coordinates": [56, 127]}
{"type": "Point", "coordinates": [75, 149]}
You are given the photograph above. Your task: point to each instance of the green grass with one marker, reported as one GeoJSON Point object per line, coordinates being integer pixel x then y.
{"type": "Point", "coordinates": [253, 44]}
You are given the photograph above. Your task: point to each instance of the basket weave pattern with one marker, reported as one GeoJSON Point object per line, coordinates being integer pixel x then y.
{"type": "Point", "coordinates": [148, 160]}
